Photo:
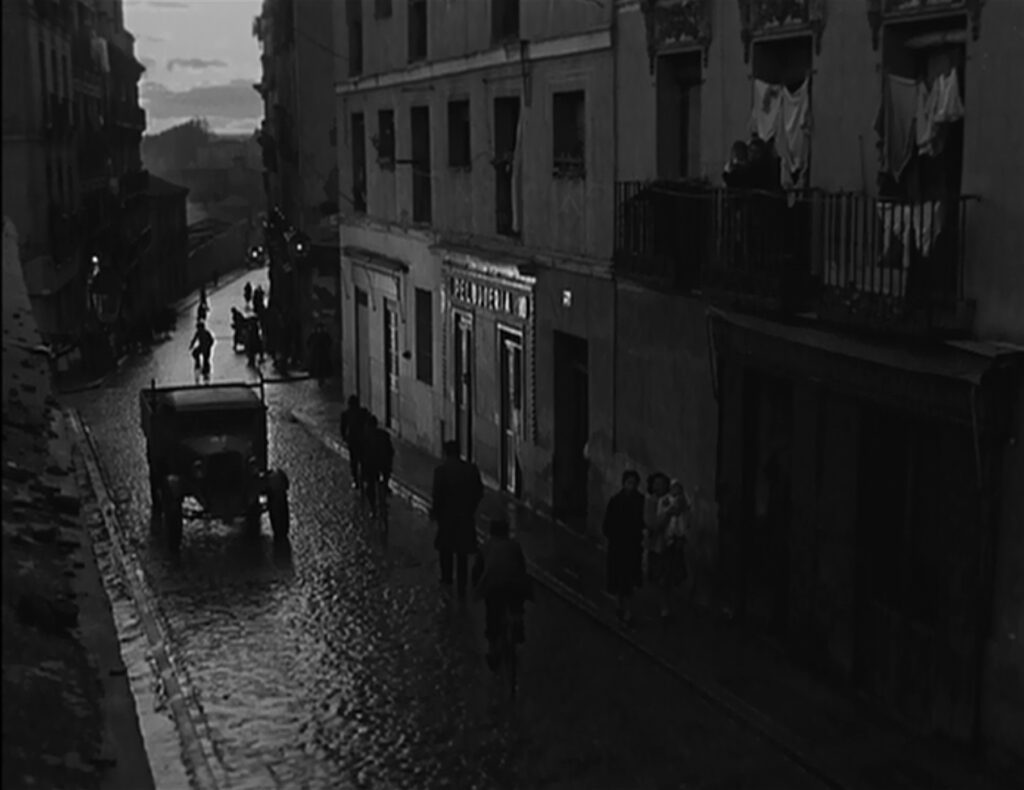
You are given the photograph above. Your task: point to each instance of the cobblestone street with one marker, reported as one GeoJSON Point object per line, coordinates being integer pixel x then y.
{"type": "Point", "coordinates": [347, 665]}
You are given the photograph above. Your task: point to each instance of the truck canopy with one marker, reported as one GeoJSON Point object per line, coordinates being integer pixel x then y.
{"type": "Point", "coordinates": [219, 399]}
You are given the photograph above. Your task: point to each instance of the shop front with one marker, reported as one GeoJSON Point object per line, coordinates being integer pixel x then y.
{"type": "Point", "coordinates": [858, 493]}
{"type": "Point", "coordinates": [488, 348]}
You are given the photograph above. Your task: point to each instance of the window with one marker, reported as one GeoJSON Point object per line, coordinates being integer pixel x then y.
{"type": "Point", "coordinates": [506, 183]}
{"type": "Point", "coordinates": [504, 20]}
{"type": "Point", "coordinates": [386, 139]}
{"type": "Point", "coordinates": [421, 198]}
{"type": "Point", "coordinates": [678, 115]}
{"type": "Point", "coordinates": [417, 30]}
{"type": "Point", "coordinates": [382, 9]}
{"type": "Point", "coordinates": [458, 134]}
{"type": "Point", "coordinates": [424, 336]}
{"type": "Point", "coordinates": [569, 117]}
{"type": "Point", "coordinates": [355, 37]}
{"type": "Point", "coordinates": [358, 163]}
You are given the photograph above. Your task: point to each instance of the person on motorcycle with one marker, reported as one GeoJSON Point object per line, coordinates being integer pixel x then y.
{"type": "Point", "coordinates": [501, 580]}
{"type": "Point", "coordinates": [201, 347]}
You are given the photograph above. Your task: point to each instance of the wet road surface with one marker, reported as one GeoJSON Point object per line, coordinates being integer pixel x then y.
{"type": "Point", "coordinates": [346, 665]}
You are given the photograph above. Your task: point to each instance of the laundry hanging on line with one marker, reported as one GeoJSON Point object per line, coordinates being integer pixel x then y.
{"type": "Point", "coordinates": [783, 115]}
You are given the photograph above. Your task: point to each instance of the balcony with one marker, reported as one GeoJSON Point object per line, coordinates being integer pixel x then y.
{"type": "Point", "coordinates": [894, 266]}
{"type": "Point", "coordinates": [849, 259]}
{"type": "Point", "coordinates": [661, 232]}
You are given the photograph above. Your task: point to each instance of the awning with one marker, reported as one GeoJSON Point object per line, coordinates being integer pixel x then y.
{"type": "Point", "coordinates": [933, 378]}
{"type": "Point", "coordinates": [375, 260]}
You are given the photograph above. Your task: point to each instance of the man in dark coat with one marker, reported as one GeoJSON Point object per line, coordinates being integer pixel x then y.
{"type": "Point", "coordinates": [353, 428]}
{"type": "Point", "coordinates": [624, 529]}
{"type": "Point", "coordinates": [457, 493]}
{"type": "Point", "coordinates": [378, 460]}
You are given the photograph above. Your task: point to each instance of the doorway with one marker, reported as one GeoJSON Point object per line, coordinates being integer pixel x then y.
{"type": "Point", "coordinates": [363, 346]}
{"type": "Point", "coordinates": [510, 353]}
{"type": "Point", "coordinates": [572, 430]}
{"type": "Point", "coordinates": [390, 364]}
{"type": "Point", "coordinates": [678, 115]}
{"type": "Point", "coordinates": [463, 337]}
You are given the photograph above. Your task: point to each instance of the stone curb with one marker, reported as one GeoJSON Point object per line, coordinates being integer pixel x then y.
{"type": "Point", "coordinates": [712, 692]}
{"type": "Point", "coordinates": [131, 570]}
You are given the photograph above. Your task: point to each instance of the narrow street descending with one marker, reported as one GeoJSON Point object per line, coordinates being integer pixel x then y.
{"type": "Point", "coordinates": [348, 665]}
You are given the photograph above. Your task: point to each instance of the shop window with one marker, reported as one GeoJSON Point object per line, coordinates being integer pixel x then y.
{"type": "Point", "coordinates": [568, 112]}
{"type": "Point", "coordinates": [424, 336]}
{"type": "Point", "coordinates": [386, 139]}
{"type": "Point", "coordinates": [458, 134]}
{"type": "Point", "coordinates": [417, 30]}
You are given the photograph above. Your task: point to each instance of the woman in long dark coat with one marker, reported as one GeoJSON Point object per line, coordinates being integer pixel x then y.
{"type": "Point", "coordinates": [624, 530]}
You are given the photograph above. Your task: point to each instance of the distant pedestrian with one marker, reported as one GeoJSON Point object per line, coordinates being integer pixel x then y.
{"type": "Point", "coordinates": [624, 531]}
{"type": "Point", "coordinates": [353, 428]}
{"type": "Point", "coordinates": [201, 348]}
{"type": "Point", "coordinates": [257, 300]}
{"type": "Point", "coordinates": [377, 462]}
{"type": "Point", "coordinates": [247, 293]}
{"type": "Point", "coordinates": [457, 492]}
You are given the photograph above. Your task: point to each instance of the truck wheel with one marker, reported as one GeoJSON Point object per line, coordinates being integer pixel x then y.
{"type": "Point", "coordinates": [253, 521]}
{"type": "Point", "coordinates": [277, 505]}
{"type": "Point", "coordinates": [171, 503]}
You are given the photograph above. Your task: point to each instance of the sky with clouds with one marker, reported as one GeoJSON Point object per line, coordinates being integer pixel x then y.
{"type": "Point", "coordinates": [201, 61]}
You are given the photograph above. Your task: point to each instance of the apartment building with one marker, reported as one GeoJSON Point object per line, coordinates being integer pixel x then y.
{"type": "Point", "coordinates": [474, 143]}
{"type": "Point", "coordinates": [73, 183]}
{"type": "Point", "coordinates": [838, 352]}
{"type": "Point", "coordinates": [299, 142]}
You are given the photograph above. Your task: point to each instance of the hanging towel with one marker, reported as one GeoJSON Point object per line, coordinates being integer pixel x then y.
{"type": "Point", "coordinates": [895, 124]}
{"type": "Point", "coordinates": [791, 139]}
{"type": "Point", "coordinates": [948, 105]}
{"type": "Point", "coordinates": [764, 117]}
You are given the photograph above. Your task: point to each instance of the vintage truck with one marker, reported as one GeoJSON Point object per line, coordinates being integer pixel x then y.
{"type": "Point", "coordinates": [207, 452]}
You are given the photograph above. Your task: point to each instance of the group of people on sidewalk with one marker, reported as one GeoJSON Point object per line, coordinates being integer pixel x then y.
{"type": "Point", "coordinates": [499, 574]}
{"type": "Point", "coordinates": [654, 526]}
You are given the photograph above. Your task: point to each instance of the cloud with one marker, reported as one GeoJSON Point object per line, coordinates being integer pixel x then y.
{"type": "Point", "coordinates": [152, 39]}
{"type": "Point", "coordinates": [195, 63]}
{"type": "Point", "coordinates": [235, 100]}
{"type": "Point", "coordinates": [147, 62]}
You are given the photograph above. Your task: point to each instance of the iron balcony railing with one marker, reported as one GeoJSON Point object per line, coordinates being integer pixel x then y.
{"type": "Point", "coordinates": [884, 260]}
{"type": "Point", "coordinates": [853, 256]}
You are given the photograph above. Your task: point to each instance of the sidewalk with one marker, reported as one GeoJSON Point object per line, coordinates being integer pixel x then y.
{"type": "Point", "coordinates": [68, 715]}
{"type": "Point", "coordinates": [836, 737]}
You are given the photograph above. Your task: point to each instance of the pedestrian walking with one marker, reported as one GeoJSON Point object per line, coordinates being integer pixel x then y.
{"type": "Point", "coordinates": [624, 530]}
{"type": "Point", "coordinates": [457, 492]}
{"type": "Point", "coordinates": [377, 462]}
{"type": "Point", "coordinates": [201, 347]}
{"type": "Point", "coordinates": [353, 427]}
{"type": "Point", "coordinates": [247, 293]}
{"type": "Point", "coordinates": [257, 300]}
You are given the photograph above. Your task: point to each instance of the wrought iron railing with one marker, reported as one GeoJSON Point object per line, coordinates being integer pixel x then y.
{"type": "Point", "coordinates": [882, 259]}
{"type": "Point", "coordinates": [868, 258]}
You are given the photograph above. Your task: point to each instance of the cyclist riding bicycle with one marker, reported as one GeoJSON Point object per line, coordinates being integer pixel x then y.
{"type": "Point", "coordinates": [500, 578]}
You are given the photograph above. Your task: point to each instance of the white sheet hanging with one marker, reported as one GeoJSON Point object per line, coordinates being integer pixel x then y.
{"type": "Point", "coordinates": [764, 117]}
{"type": "Point", "coordinates": [792, 138]}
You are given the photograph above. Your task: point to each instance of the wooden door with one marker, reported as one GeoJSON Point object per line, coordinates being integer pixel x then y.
{"type": "Point", "coordinates": [463, 337]}
{"type": "Point", "coordinates": [511, 384]}
{"type": "Point", "coordinates": [390, 364]}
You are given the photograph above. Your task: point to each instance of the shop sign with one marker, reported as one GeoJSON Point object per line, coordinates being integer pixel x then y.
{"type": "Point", "coordinates": [489, 297]}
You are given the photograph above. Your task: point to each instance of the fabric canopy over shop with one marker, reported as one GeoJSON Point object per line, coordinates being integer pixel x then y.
{"type": "Point", "coordinates": [933, 379]}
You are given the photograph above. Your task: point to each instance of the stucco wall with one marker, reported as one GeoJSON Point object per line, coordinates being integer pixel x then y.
{"type": "Point", "coordinates": [570, 215]}
{"type": "Point", "coordinates": [421, 406]}
{"type": "Point", "coordinates": [458, 29]}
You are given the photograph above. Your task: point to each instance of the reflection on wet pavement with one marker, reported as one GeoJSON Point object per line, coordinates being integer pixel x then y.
{"type": "Point", "coordinates": [346, 665]}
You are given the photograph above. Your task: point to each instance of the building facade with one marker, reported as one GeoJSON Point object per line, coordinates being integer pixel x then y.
{"type": "Point", "coordinates": [476, 246]}
{"type": "Point", "coordinates": [859, 320]}
{"type": "Point", "coordinates": [73, 182]}
{"type": "Point", "coordinates": [299, 141]}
